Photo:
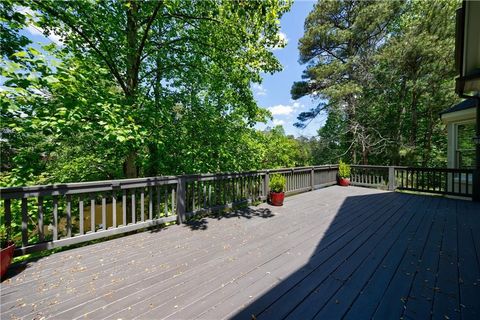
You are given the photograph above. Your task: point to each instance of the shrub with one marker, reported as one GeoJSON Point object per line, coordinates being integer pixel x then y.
{"type": "Point", "coordinates": [277, 183]}
{"type": "Point", "coordinates": [344, 170]}
{"type": "Point", "coordinates": [3, 237]}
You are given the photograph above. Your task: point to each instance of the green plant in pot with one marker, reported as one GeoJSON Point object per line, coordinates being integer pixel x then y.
{"type": "Point", "coordinates": [277, 186]}
{"type": "Point", "coordinates": [6, 253]}
{"type": "Point", "coordinates": [344, 171]}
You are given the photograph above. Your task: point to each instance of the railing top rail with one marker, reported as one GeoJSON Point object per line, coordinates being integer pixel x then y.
{"type": "Point", "coordinates": [367, 166]}
{"type": "Point", "coordinates": [120, 184]}
{"type": "Point", "coordinates": [453, 170]}
{"type": "Point", "coordinates": [296, 169]}
{"type": "Point", "coordinates": [83, 187]}
{"type": "Point", "coordinates": [223, 175]}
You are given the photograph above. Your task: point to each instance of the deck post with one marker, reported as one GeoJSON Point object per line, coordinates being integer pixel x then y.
{"type": "Point", "coordinates": [312, 178]}
{"type": "Point", "coordinates": [476, 172]}
{"type": "Point", "coordinates": [391, 179]}
{"type": "Point", "coordinates": [181, 184]}
{"type": "Point", "coordinates": [266, 185]}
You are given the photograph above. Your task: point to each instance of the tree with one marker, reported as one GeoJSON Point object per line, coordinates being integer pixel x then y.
{"type": "Point", "coordinates": [157, 48]}
{"type": "Point", "coordinates": [382, 71]}
{"type": "Point", "coordinates": [340, 38]}
{"type": "Point", "coordinates": [97, 107]}
{"type": "Point", "coordinates": [413, 81]}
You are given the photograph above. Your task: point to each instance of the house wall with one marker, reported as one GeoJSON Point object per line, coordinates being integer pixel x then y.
{"type": "Point", "coordinates": [451, 145]}
{"type": "Point", "coordinates": [452, 120]}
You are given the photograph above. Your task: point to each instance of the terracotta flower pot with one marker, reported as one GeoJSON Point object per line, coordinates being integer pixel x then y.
{"type": "Point", "coordinates": [345, 182]}
{"type": "Point", "coordinates": [6, 256]}
{"type": "Point", "coordinates": [276, 198]}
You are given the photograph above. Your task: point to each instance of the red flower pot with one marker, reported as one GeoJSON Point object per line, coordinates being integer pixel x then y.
{"type": "Point", "coordinates": [276, 198]}
{"type": "Point", "coordinates": [345, 182]}
{"type": "Point", "coordinates": [6, 256]}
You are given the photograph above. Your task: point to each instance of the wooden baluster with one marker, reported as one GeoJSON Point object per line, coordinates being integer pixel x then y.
{"type": "Point", "coordinates": [165, 204]}
{"type": "Point", "coordinates": [92, 213]}
{"type": "Point", "coordinates": [199, 192]}
{"type": "Point", "coordinates": [150, 203]}
{"type": "Point", "coordinates": [173, 200]}
{"type": "Point", "coordinates": [55, 218]}
{"type": "Point", "coordinates": [25, 222]}
{"type": "Point", "coordinates": [204, 195]}
{"type": "Point", "coordinates": [114, 209]}
{"type": "Point", "coordinates": [104, 213]}
{"type": "Point", "coordinates": [467, 184]}
{"type": "Point", "coordinates": [69, 216]}
{"type": "Point", "coordinates": [210, 194]}
{"type": "Point", "coordinates": [158, 202]}
{"type": "Point", "coordinates": [453, 182]}
{"type": "Point", "coordinates": [134, 211]}
{"type": "Point", "coordinates": [81, 216]}
{"type": "Point", "coordinates": [446, 181]}
{"type": "Point", "coordinates": [41, 233]}
{"type": "Point", "coordinates": [142, 205]}
{"type": "Point", "coordinates": [124, 207]}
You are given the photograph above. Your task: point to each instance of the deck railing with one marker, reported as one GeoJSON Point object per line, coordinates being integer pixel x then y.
{"type": "Point", "coordinates": [372, 176]}
{"type": "Point", "coordinates": [46, 217]}
{"type": "Point", "coordinates": [456, 182]}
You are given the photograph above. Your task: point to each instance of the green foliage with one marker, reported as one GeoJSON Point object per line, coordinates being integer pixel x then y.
{"type": "Point", "coordinates": [278, 183]}
{"type": "Point", "coordinates": [382, 71]}
{"type": "Point", "coordinates": [3, 236]}
{"type": "Point", "coordinates": [280, 150]}
{"type": "Point", "coordinates": [136, 88]}
{"type": "Point", "coordinates": [344, 170]}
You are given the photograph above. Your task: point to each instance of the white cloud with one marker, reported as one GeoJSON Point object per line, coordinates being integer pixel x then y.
{"type": "Point", "coordinates": [281, 109]}
{"type": "Point", "coordinates": [34, 30]}
{"type": "Point", "coordinates": [283, 40]}
{"type": "Point", "coordinates": [259, 89]}
{"type": "Point", "coordinates": [278, 122]}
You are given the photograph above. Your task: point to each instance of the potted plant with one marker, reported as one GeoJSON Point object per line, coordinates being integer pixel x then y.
{"type": "Point", "coordinates": [277, 187]}
{"type": "Point", "coordinates": [6, 253]}
{"type": "Point", "coordinates": [344, 174]}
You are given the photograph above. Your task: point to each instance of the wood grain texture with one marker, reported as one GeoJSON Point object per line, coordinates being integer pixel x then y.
{"type": "Point", "coordinates": [353, 252]}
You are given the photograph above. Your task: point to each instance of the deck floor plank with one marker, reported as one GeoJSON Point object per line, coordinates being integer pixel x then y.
{"type": "Point", "coordinates": [264, 277]}
{"type": "Point", "coordinates": [468, 262]}
{"type": "Point", "coordinates": [317, 299]}
{"type": "Point", "coordinates": [331, 253]}
{"type": "Point", "coordinates": [393, 301]}
{"type": "Point", "coordinates": [409, 246]}
{"type": "Point", "coordinates": [340, 303]}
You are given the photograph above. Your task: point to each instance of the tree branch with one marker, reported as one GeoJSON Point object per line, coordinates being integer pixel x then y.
{"type": "Point", "coordinates": [189, 17]}
{"type": "Point", "coordinates": [89, 41]}
{"type": "Point", "coordinates": [145, 34]}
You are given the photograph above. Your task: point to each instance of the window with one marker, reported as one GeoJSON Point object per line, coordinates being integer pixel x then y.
{"type": "Point", "coordinates": [465, 148]}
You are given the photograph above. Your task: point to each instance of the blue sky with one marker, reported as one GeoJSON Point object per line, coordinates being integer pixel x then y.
{"type": "Point", "coordinates": [274, 92]}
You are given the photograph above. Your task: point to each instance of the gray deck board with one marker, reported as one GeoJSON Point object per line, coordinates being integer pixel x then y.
{"type": "Point", "coordinates": [409, 245]}
{"type": "Point", "coordinates": [469, 268]}
{"type": "Point", "coordinates": [397, 293]}
{"type": "Point", "coordinates": [331, 253]}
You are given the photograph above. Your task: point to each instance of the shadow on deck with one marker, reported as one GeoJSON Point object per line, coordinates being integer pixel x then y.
{"type": "Point", "coordinates": [337, 252]}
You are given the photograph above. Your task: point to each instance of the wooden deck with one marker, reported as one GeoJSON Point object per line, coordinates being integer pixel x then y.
{"type": "Point", "coordinates": [337, 252]}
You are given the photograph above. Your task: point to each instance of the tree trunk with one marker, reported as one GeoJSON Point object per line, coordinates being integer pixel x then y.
{"type": "Point", "coordinates": [129, 166]}
{"type": "Point", "coordinates": [413, 133]}
{"type": "Point", "coordinates": [132, 40]}
{"type": "Point", "coordinates": [398, 136]}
